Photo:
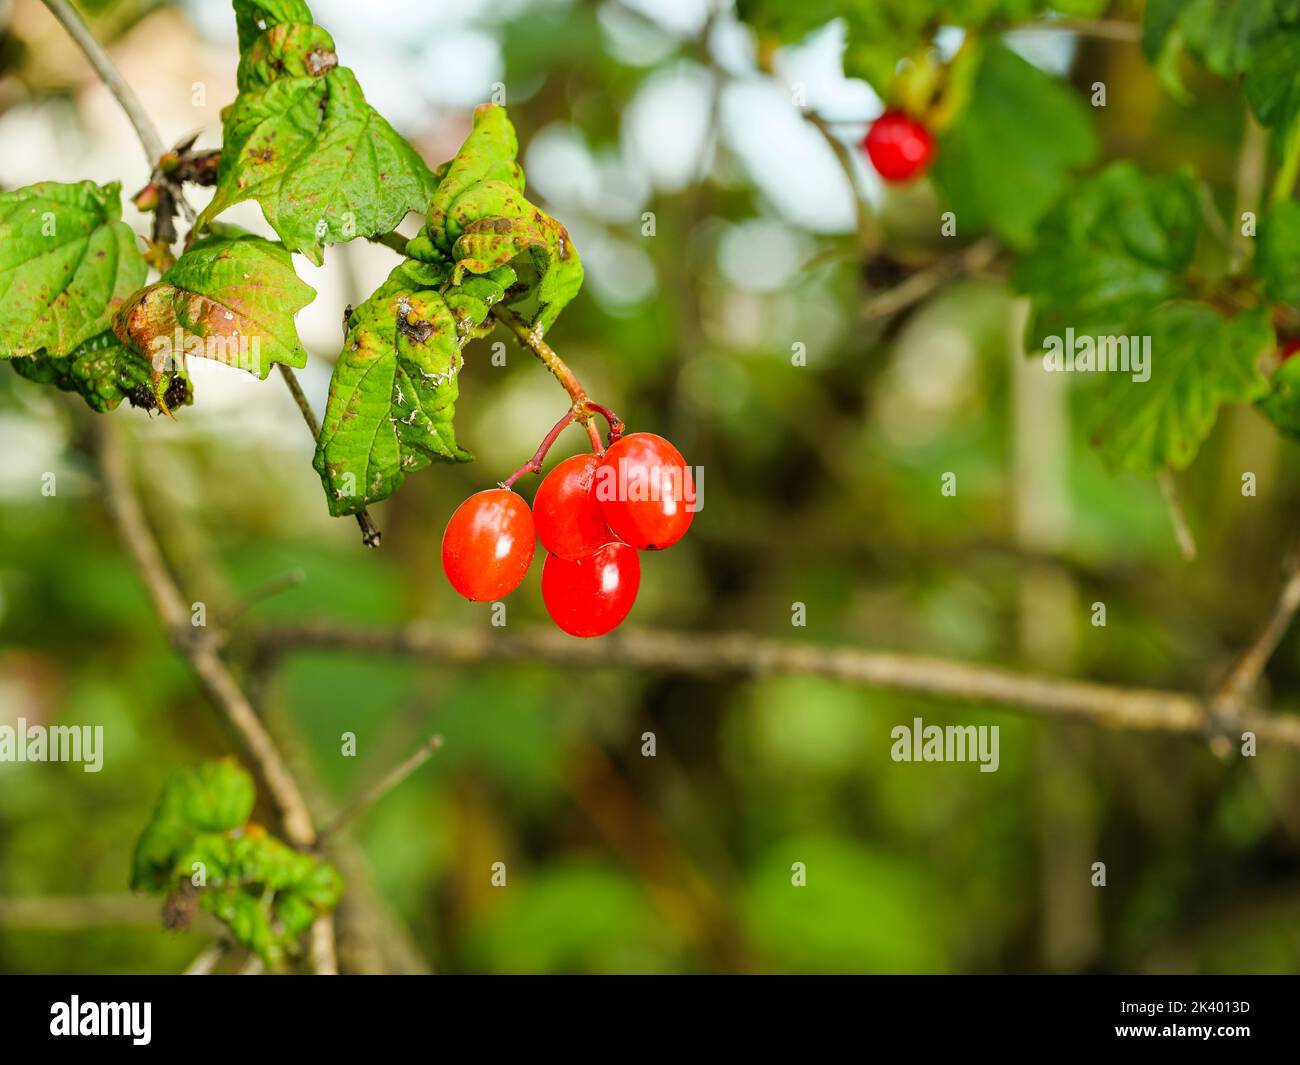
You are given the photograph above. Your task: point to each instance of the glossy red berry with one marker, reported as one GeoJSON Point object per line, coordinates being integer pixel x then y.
{"type": "Point", "coordinates": [900, 147]}
{"type": "Point", "coordinates": [590, 596]}
{"type": "Point", "coordinates": [1288, 348]}
{"type": "Point", "coordinates": [645, 490]}
{"type": "Point", "coordinates": [488, 544]}
{"type": "Point", "coordinates": [569, 520]}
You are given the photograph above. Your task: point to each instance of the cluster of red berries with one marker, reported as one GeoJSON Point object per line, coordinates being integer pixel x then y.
{"type": "Point", "coordinates": [900, 147]}
{"type": "Point", "coordinates": [593, 513]}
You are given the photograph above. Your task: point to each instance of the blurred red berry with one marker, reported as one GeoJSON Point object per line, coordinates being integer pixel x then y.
{"type": "Point", "coordinates": [900, 147]}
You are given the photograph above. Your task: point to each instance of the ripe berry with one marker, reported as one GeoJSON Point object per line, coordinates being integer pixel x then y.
{"type": "Point", "coordinates": [488, 545]}
{"type": "Point", "coordinates": [569, 521]}
{"type": "Point", "coordinates": [899, 146]}
{"type": "Point", "coordinates": [1288, 348]}
{"type": "Point", "coordinates": [590, 596]}
{"type": "Point", "coordinates": [644, 489]}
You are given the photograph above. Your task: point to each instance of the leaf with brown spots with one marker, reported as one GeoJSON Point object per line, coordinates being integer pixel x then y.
{"type": "Point", "coordinates": [231, 297]}
{"type": "Point", "coordinates": [103, 371]}
{"type": "Point", "coordinates": [393, 394]}
{"type": "Point", "coordinates": [480, 220]}
{"type": "Point", "coordinates": [302, 141]}
{"type": "Point", "coordinates": [67, 261]}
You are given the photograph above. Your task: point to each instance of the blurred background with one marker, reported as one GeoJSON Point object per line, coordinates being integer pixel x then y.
{"type": "Point", "coordinates": [822, 488]}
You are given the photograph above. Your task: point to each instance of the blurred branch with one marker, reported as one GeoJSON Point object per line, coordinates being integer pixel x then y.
{"type": "Point", "coordinates": [199, 648]}
{"type": "Point", "coordinates": [1245, 673]}
{"type": "Point", "coordinates": [1097, 29]}
{"type": "Point", "coordinates": [919, 285]}
{"type": "Point", "coordinates": [1251, 164]}
{"type": "Point", "coordinates": [382, 787]}
{"type": "Point", "coordinates": [868, 230]}
{"type": "Point", "coordinates": [111, 77]}
{"type": "Point", "coordinates": [207, 959]}
{"type": "Point", "coordinates": [78, 912]}
{"type": "Point", "coordinates": [1177, 517]}
{"type": "Point", "coordinates": [705, 654]}
{"type": "Point", "coordinates": [370, 534]}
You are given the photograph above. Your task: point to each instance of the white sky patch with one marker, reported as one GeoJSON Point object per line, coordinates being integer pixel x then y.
{"type": "Point", "coordinates": [787, 158]}
{"type": "Point", "coordinates": [666, 126]}
{"type": "Point", "coordinates": [760, 255]}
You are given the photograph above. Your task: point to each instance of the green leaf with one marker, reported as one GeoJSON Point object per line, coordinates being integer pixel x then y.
{"type": "Point", "coordinates": [392, 397]}
{"type": "Point", "coordinates": [479, 221]}
{"type": "Point", "coordinates": [265, 892]}
{"type": "Point", "coordinates": [301, 139]}
{"type": "Point", "coordinates": [217, 796]}
{"type": "Point", "coordinates": [1282, 404]}
{"type": "Point", "coordinates": [104, 371]}
{"type": "Point", "coordinates": [297, 49]}
{"type": "Point", "coordinates": [1272, 83]}
{"type": "Point", "coordinates": [1114, 248]}
{"type": "Point", "coordinates": [1223, 35]}
{"type": "Point", "coordinates": [1277, 252]}
{"type": "Point", "coordinates": [254, 17]}
{"type": "Point", "coordinates": [1012, 152]}
{"type": "Point", "coordinates": [1198, 362]}
{"type": "Point", "coordinates": [231, 297]}
{"type": "Point", "coordinates": [66, 262]}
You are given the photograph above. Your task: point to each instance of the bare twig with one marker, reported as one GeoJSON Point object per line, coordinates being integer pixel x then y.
{"type": "Point", "coordinates": [1139, 709]}
{"type": "Point", "coordinates": [1177, 517]}
{"type": "Point", "coordinates": [532, 340]}
{"type": "Point", "coordinates": [1098, 29]}
{"type": "Point", "coordinates": [200, 650]}
{"type": "Point", "coordinates": [1246, 671]}
{"type": "Point", "coordinates": [72, 913]}
{"type": "Point", "coordinates": [370, 534]}
{"type": "Point", "coordinates": [918, 286]}
{"type": "Point", "coordinates": [868, 230]}
{"type": "Point", "coordinates": [1251, 164]}
{"type": "Point", "coordinates": [207, 959]}
{"type": "Point", "coordinates": [111, 77]}
{"type": "Point", "coordinates": [262, 592]}
{"type": "Point", "coordinates": [382, 787]}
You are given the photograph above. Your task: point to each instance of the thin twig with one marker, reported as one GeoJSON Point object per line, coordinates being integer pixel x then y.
{"type": "Point", "coordinates": [868, 230]}
{"type": "Point", "coordinates": [197, 647]}
{"type": "Point", "coordinates": [583, 411]}
{"type": "Point", "coordinates": [200, 650]}
{"type": "Point", "coordinates": [370, 534]}
{"type": "Point", "coordinates": [381, 787]}
{"type": "Point", "coordinates": [1251, 164]}
{"type": "Point", "coordinates": [705, 654]}
{"type": "Point", "coordinates": [534, 464]}
{"type": "Point", "coordinates": [1098, 29]}
{"type": "Point", "coordinates": [111, 77]}
{"type": "Point", "coordinates": [208, 959]}
{"type": "Point", "coordinates": [72, 913]}
{"type": "Point", "coordinates": [1246, 671]}
{"type": "Point", "coordinates": [1177, 517]}
{"type": "Point", "coordinates": [922, 283]}
{"type": "Point", "coordinates": [263, 592]}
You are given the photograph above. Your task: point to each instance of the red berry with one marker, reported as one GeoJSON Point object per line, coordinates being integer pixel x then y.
{"type": "Point", "coordinates": [1289, 348]}
{"type": "Point", "coordinates": [569, 521]}
{"type": "Point", "coordinates": [900, 147]}
{"type": "Point", "coordinates": [488, 544]}
{"type": "Point", "coordinates": [590, 596]}
{"type": "Point", "coordinates": [645, 491]}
